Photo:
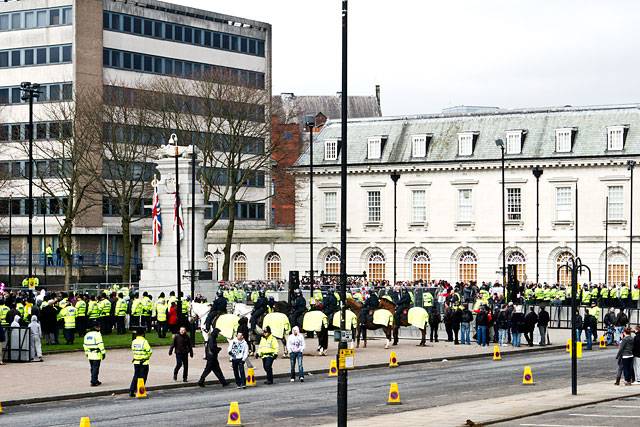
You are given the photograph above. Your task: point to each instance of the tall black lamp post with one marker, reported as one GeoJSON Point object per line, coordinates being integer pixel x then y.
{"type": "Point", "coordinates": [310, 122]}
{"type": "Point", "coordinates": [43, 206]}
{"type": "Point", "coordinates": [30, 91]}
{"type": "Point", "coordinates": [631, 164]}
{"type": "Point", "coordinates": [216, 255]}
{"type": "Point", "coordinates": [174, 140]}
{"type": "Point", "coordinates": [10, 234]}
{"type": "Point", "coordinates": [537, 172]}
{"type": "Point", "coordinates": [395, 177]}
{"type": "Point", "coordinates": [500, 144]}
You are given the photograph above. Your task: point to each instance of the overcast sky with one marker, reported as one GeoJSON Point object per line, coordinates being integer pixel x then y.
{"type": "Point", "coordinates": [428, 55]}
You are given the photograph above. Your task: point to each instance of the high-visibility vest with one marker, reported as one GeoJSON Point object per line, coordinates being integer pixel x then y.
{"type": "Point", "coordinates": [94, 346]}
{"type": "Point", "coordinates": [539, 293]}
{"type": "Point", "coordinates": [358, 297]}
{"type": "Point", "coordinates": [624, 292]}
{"type": "Point", "coordinates": [121, 307]}
{"type": "Point", "coordinates": [427, 299]}
{"type": "Point", "coordinates": [20, 309]}
{"type": "Point", "coordinates": [147, 306]}
{"type": "Point", "coordinates": [69, 315]}
{"type": "Point", "coordinates": [141, 351]}
{"type": "Point", "coordinates": [254, 296]}
{"type": "Point", "coordinates": [185, 307]}
{"type": "Point", "coordinates": [268, 346]}
{"type": "Point", "coordinates": [161, 311]}
{"type": "Point", "coordinates": [81, 308]}
{"type": "Point", "coordinates": [93, 310]}
{"type": "Point", "coordinates": [594, 293]}
{"type": "Point", "coordinates": [586, 297]}
{"type": "Point", "coordinates": [49, 251]}
{"type": "Point", "coordinates": [136, 307]}
{"type": "Point", "coordinates": [635, 294]}
{"type": "Point", "coordinates": [604, 293]}
{"type": "Point", "coordinates": [105, 308]}
{"type": "Point", "coordinates": [4, 310]}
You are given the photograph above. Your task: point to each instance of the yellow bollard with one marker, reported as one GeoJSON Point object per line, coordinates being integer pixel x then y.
{"type": "Point", "coordinates": [233, 419]}
{"type": "Point", "coordinates": [496, 353]}
{"type": "Point", "coordinates": [141, 390]}
{"type": "Point", "coordinates": [568, 347]}
{"type": "Point", "coordinates": [603, 342]}
{"type": "Point", "coordinates": [333, 368]}
{"type": "Point", "coordinates": [251, 377]}
{"type": "Point", "coordinates": [1, 411]}
{"type": "Point", "coordinates": [527, 376]}
{"type": "Point", "coordinates": [393, 360]}
{"type": "Point", "coordinates": [394, 395]}
{"type": "Point", "coordinates": [579, 349]}
{"type": "Point", "coordinates": [85, 422]}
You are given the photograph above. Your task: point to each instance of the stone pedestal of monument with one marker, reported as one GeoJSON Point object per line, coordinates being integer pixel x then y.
{"type": "Point", "coordinates": [159, 273]}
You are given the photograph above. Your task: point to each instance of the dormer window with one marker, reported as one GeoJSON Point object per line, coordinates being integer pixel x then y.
{"type": "Point", "coordinates": [615, 138]}
{"type": "Point", "coordinates": [419, 146]}
{"type": "Point", "coordinates": [331, 149]}
{"type": "Point", "coordinates": [374, 148]}
{"type": "Point", "coordinates": [465, 143]}
{"type": "Point", "coordinates": [514, 141]}
{"type": "Point", "coordinates": [564, 140]}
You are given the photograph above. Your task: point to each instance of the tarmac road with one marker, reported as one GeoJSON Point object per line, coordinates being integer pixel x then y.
{"type": "Point", "coordinates": [314, 402]}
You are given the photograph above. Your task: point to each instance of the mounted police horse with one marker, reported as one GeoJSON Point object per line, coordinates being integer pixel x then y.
{"type": "Point", "coordinates": [414, 316]}
{"type": "Point", "coordinates": [226, 323]}
{"type": "Point", "coordinates": [380, 319]}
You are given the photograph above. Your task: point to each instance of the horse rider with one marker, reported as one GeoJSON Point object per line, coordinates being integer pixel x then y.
{"type": "Point", "coordinates": [404, 301]}
{"type": "Point", "coordinates": [370, 305]}
{"type": "Point", "coordinates": [260, 308]}
{"type": "Point", "coordinates": [329, 304]}
{"type": "Point", "coordinates": [298, 308]}
{"type": "Point", "coordinates": [219, 306]}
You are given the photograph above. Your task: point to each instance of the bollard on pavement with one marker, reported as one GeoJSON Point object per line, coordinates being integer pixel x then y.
{"type": "Point", "coordinates": [233, 419]}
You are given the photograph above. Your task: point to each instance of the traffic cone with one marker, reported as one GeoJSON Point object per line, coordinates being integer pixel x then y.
{"type": "Point", "coordinates": [333, 368]}
{"type": "Point", "coordinates": [496, 353]}
{"type": "Point", "coordinates": [393, 360]}
{"type": "Point", "coordinates": [603, 342]}
{"type": "Point", "coordinates": [394, 395]}
{"type": "Point", "coordinates": [568, 347]}
{"type": "Point", "coordinates": [527, 376]}
{"type": "Point", "coordinates": [1, 411]}
{"type": "Point", "coordinates": [579, 349]}
{"type": "Point", "coordinates": [141, 390]}
{"type": "Point", "coordinates": [233, 419]}
{"type": "Point", "coordinates": [251, 377]}
{"type": "Point", "coordinates": [85, 422]}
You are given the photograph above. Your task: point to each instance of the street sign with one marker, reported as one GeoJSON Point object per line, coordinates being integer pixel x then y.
{"type": "Point", "coordinates": [346, 358]}
{"type": "Point", "coordinates": [342, 336]}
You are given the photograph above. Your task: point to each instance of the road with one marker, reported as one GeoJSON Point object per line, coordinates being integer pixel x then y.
{"type": "Point", "coordinates": [314, 402]}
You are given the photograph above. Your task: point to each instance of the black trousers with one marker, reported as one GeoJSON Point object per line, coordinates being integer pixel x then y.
{"type": "Point", "coordinates": [120, 325]}
{"type": "Point", "coordinates": [213, 366]}
{"type": "Point", "coordinates": [68, 335]}
{"type": "Point", "coordinates": [81, 325]}
{"type": "Point", "coordinates": [238, 372]}
{"type": "Point", "coordinates": [139, 371]}
{"type": "Point", "coordinates": [95, 370]}
{"type": "Point", "coordinates": [182, 360]}
{"type": "Point", "coordinates": [162, 328]}
{"type": "Point", "coordinates": [433, 332]}
{"type": "Point", "coordinates": [456, 330]}
{"type": "Point", "coordinates": [528, 335]}
{"type": "Point", "coordinates": [267, 364]}
{"type": "Point", "coordinates": [447, 327]}
{"type": "Point", "coordinates": [147, 322]}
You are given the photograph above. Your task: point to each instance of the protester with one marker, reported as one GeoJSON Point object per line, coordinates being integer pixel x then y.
{"type": "Point", "coordinates": [3, 339]}
{"type": "Point", "coordinates": [239, 351]}
{"type": "Point", "coordinates": [518, 326]}
{"type": "Point", "coordinates": [625, 353]}
{"type": "Point", "coordinates": [434, 323]}
{"type": "Point", "coordinates": [295, 346]}
{"type": "Point", "coordinates": [482, 325]}
{"type": "Point", "coordinates": [172, 318]}
{"type": "Point", "coordinates": [183, 349]}
{"type": "Point", "coordinates": [636, 355]}
{"type": "Point", "coordinates": [530, 321]}
{"type": "Point", "coordinates": [36, 339]}
{"type": "Point", "coordinates": [211, 351]}
{"type": "Point", "coordinates": [543, 322]}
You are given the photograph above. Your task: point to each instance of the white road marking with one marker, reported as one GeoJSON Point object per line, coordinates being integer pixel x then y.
{"type": "Point", "coordinates": [625, 406]}
{"type": "Point", "coordinates": [283, 418]}
{"type": "Point", "coordinates": [556, 425]}
{"type": "Point", "coordinates": [604, 416]}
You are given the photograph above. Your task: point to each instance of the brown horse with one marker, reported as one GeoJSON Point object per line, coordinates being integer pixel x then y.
{"type": "Point", "coordinates": [356, 307]}
{"type": "Point", "coordinates": [403, 321]}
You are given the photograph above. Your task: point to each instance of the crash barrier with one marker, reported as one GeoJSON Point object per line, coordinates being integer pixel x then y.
{"type": "Point", "coordinates": [560, 315]}
{"type": "Point", "coordinates": [18, 345]}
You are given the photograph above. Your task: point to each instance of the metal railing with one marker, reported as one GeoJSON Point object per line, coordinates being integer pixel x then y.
{"type": "Point", "coordinates": [80, 259]}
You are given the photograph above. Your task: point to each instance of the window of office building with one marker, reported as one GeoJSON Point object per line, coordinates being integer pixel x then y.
{"type": "Point", "coordinates": [518, 259]}
{"type": "Point", "coordinates": [331, 150]}
{"type": "Point", "coordinates": [421, 267]}
{"type": "Point", "coordinates": [465, 205]}
{"type": "Point", "coordinates": [373, 206]}
{"type": "Point", "coordinates": [616, 202]}
{"type": "Point", "coordinates": [376, 266]}
{"type": "Point", "coordinates": [563, 140]}
{"type": "Point", "coordinates": [467, 267]}
{"type": "Point", "coordinates": [239, 266]}
{"type": "Point", "coordinates": [514, 204]}
{"type": "Point", "coordinates": [332, 263]}
{"type": "Point", "coordinates": [563, 204]}
{"type": "Point", "coordinates": [419, 206]}
{"type": "Point", "coordinates": [564, 275]}
{"type": "Point", "coordinates": [330, 209]}
{"type": "Point", "coordinates": [617, 270]}
{"type": "Point", "coordinates": [274, 270]}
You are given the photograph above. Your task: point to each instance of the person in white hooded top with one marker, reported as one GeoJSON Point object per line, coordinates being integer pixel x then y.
{"type": "Point", "coordinates": [36, 339]}
{"type": "Point", "coordinates": [239, 351]}
{"type": "Point", "coordinates": [295, 347]}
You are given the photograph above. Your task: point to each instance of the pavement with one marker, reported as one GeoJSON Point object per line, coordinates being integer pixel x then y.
{"type": "Point", "coordinates": [445, 393]}
{"type": "Point", "coordinates": [66, 376]}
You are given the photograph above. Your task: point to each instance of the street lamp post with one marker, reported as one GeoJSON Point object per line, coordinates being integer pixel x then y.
{"type": "Point", "coordinates": [216, 255]}
{"type": "Point", "coordinates": [30, 91]}
{"type": "Point", "coordinates": [395, 177]}
{"type": "Point", "coordinates": [631, 164]}
{"type": "Point", "coordinates": [500, 144]}
{"type": "Point", "coordinates": [606, 242]}
{"type": "Point", "coordinates": [44, 233]}
{"type": "Point", "coordinates": [10, 234]}
{"type": "Point", "coordinates": [537, 172]}
{"type": "Point", "coordinates": [174, 140]}
{"type": "Point", "coordinates": [310, 124]}
{"type": "Point", "coordinates": [193, 220]}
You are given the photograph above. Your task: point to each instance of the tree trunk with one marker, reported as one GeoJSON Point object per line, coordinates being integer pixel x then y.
{"type": "Point", "coordinates": [67, 256]}
{"type": "Point", "coordinates": [227, 243]}
{"type": "Point", "coordinates": [126, 249]}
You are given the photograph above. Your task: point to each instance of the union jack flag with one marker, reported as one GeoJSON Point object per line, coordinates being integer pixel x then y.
{"type": "Point", "coordinates": [157, 218]}
{"type": "Point", "coordinates": [177, 216]}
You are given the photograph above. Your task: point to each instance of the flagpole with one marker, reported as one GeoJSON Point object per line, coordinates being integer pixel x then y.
{"type": "Point", "coordinates": [176, 214]}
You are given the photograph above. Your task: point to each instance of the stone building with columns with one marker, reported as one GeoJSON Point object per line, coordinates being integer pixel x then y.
{"type": "Point", "coordinates": [449, 219]}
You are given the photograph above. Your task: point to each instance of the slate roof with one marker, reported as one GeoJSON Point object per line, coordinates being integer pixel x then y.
{"type": "Point", "coordinates": [294, 108]}
{"type": "Point", "coordinates": [539, 124]}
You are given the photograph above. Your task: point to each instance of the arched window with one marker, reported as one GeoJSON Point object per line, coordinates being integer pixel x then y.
{"type": "Point", "coordinates": [274, 269]}
{"type": "Point", "coordinates": [618, 269]}
{"type": "Point", "coordinates": [376, 266]}
{"type": "Point", "coordinates": [239, 267]}
{"type": "Point", "coordinates": [468, 267]}
{"type": "Point", "coordinates": [332, 263]}
{"type": "Point", "coordinates": [564, 277]}
{"type": "Point", "coordinates": [518, 259]}
{"type": "Point", "coordinates": [421, 267]}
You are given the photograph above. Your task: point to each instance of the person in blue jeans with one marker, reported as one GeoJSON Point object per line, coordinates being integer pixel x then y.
{"type": "Point", "coordinates": [295, 346]}
{"type": "Point", "coordinates": [465, 326]}
{"type": "Point", "coordinates": [518, 326]}
{"type": "Point", "coordinates": [482, 323]}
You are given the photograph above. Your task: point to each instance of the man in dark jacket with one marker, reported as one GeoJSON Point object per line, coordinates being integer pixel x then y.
{"type": "Point", "coordinates": [434, 323]}
{"type": "Point", "coordinates": [543, 322]}
{"type": "Point", "coordinates": [182, 346]}
{"type": "Point", "coordinates": [211, 354]}
{"type": "Point", "coordinates": [530, 321]}
{"type": "Point", "coordinates": [589, 325]}
{"type": "Point", "coordinates": [456, 319]}
{"type": "Point", "coordinates": [482, 325]}
{"type": "Point", "coordinates": [448, 319]}
{"type": "Point", "coordinates": [298, 307]}
{"type": "Point", "coordinates": [329, 304]}
{"type": "Point", "coordinates": [259, 309]}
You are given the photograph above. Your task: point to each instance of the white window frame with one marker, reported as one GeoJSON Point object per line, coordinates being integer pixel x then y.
{"type": "Point", "coordinates": [331, 149]}
{"type": "Point", "coordinates": [374, 148]}
{"type": "Point", "coordinates": [514, 142]}
{"type": "Point", "coordinates": [564, 211]}
{"type": "Point", "coordinates": [615, 194]}
{"type": "Point", "coordinates": [330, 207]}
{"type": "Point", "coordinates": [564, 140]}
{"type": "Point", "coordinates": [465, 209]}
{"type": "Point", "coordinates": [419, 206]}
{"type": "Point", "coordinates": [465, 143]}
{"type": "Point", "coordinates": [374, 206]}
{"type": "Point", "coordinates": [419, 146]}
{"type": "Point", "coordinates": [615, 138]}
{"type": "Point", "coordinates": [514, 204]}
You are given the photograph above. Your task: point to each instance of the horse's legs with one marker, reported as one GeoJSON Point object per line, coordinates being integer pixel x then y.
{"type": "Point", "coordinates": [387, 333]}
{"type": "Point", "coordinates": [396, 333]}
{"type": "Point", "coordinates": [424, 337]}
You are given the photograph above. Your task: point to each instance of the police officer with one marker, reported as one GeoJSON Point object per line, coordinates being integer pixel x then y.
{"type": "Point", "coordinates": [68, 315]}
{"type": "Point", "coordinates": [81, 315]}
{"type": "Point", "coordinates": [268, 351]}
{"type": "Point", "coordinates": [95, 352]}
{"type": "Point", "coordinates": [121, 314]}
{"type": "Point", "coordinates": [4, 310]}
{"type": "Point", "coordinates": [141, 355]}
{"type": "Point", "coordinates": [260, 308]}
{"type": "Point", "coordinates": [92, 311]}
{"type": "Point", "coordinates": [136, 312]}
{"type": "Point", "coordinates": [161, 309]}
{"type": "Point", "coordinates": [105, 315]}
{"type": "Point", "coordinates": [329, 305]}
{"type": "Point", "coordinates": [298, 308]}
{"type": "Point", "coordinates": [147, 308]}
